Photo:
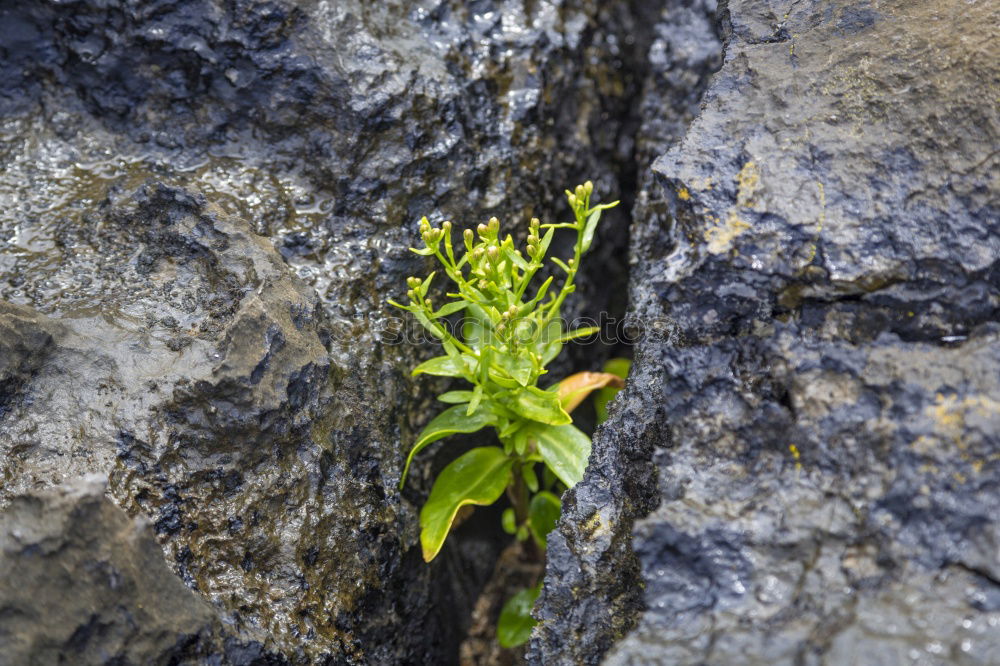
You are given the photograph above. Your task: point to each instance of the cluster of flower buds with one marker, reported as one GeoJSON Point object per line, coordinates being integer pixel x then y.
{"type": "Point", "coordinates": [581, 197]}
{"type": "Point", "coordinates": [534, 250]}
{"type": "Point", "coordinates": [430, 235]}
{"type": "Point", "coordinates": [489, 232]}
{"type": "Point", "coordinates": [506, 317]}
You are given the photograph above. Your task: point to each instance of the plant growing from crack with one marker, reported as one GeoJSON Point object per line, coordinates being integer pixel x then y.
{"type": "Point", "coordinates": [509, 334]}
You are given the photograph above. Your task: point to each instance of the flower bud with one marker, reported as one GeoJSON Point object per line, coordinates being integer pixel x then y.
{"type": "Point", "coordinates": [570, 262]}
{"type": "Point", "coordinates": [494, 225]}
{"type": "Point", "coordinates": [589, 187]}
{"type": "Point", "coordinates": [580, 192]}
{"type": "Point", "coordinates": [493, 253]}
{"type": "Point", "coordinates": [412, 295]}
{"type": "Point", "coordinates": [572, 200]}
{"type": "Point", "coordinates": [534, 224]}
{"type": "Point", "coordinates": [469, 238]}
{"type": "Point", "coordinates": [482, 229]}
{"type": "Point", "coordinates": [447, 227]}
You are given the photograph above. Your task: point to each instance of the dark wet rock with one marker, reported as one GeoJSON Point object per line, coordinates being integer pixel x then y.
{"type": "Point", "coordinates": [253, 412]}
{"type": "Point", "coordinates": [83, 583]}
{"type": "Point", "coordinates": [820, 378]}
{"type": "Point", "coordinates": [591, 596]}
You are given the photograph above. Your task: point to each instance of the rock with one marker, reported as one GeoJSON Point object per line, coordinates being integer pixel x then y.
{"type": "Point", "coordinates": [84, 584]}
{"type": "Point", "coordinates": [242, 390]}
{"type": "Point", "coordinates": [592, 595]}
{"type": "Point", "coordinates": [820, 377]}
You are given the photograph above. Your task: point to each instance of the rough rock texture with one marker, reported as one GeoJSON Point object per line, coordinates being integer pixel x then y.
{"type": "Point", "coordinates": [591, 596]}
{"type": "Point", "coordinates": [821, 370]}
{"type": "Point", "coordinates": [84, 584]}
{"type": "Point", "coordinates": [252, 412]}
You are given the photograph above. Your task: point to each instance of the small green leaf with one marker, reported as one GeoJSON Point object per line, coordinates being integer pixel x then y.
{"type": "Point", "coordinates": [543, 512]}
{"type": "Point", "coordinates": [536, 405]}
{"type": "Point", "coordinates": [516, 623]}
{"type": "Point", "coordinates": [561, 264]}
{"type": "Point", "coordinates": [478, 477]}
{"type": "Point", "coordinates": [530, 478]}
{"type": "Point", "coordinates": [424, 252]}
{"type": "Point", "coordinates": [477, 397]}
{"type": "Point", "coordinates": [451, 308]}
{"type": "Point", "coordinates": [579, 333]}
{"type": "Point", "coordinates": [514, 259]}
{"type": "Point", "coordinates": [588, 231]}
{"type": "Point", "coordinates": [455, 397]}
{"type": "Point", "coordinates": [450, 421]}
{"type": "Point", "coordinates": [546, 241]}
{"type": "Point", "coordinates": [444, 366]}
{"type": "Point", "coordinates": [508, 521]}
{"type": "Point", "coordinates": [520, 369]}
{"type": "Point", "coordinates": [564, 448]}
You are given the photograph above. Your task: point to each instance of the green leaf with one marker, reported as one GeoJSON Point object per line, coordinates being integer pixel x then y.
{"type": "Point", "coordinates": [516, 623]}
{"type": "Point", "coordinates": [508, 520]}
{"type": "Point", "coordinates": [424, 252]}
{"type": "Point", "coordinates": [425, 286]}
{"type": "Point", "coordinates": [548, 344]}
{"type": "Point", "coordinates": [516, 367]}
{"type": "Point", "coordinates": [579, 333]}
{"type": "Point", "coordinates": [450, 421]}
{"type": "Point", "coordinates": [444, 366]}
{"type": "Point", "coordinates": [476, 330]}
{"type": "Point", "coordinates": [511, 255]}
{"type": "Point", "coordinates": [588, 231]}
{"type": "Point", "coordinates": [536, 405]}
{"type": "Point", "coordinates": [478, 477]}
{"type": "Point", "coordinates": [451, 308]}
{"type": "Point", "coordinates": [477, 397]}
{"type": "Point", "coordinates": [546, 240]}
{"type": "Point", "coordinates": [564, 448]}
{"type": "Point", "coordinates": [543, 512]}
{"type": "Point", "coordinates": [561, 264]}
{"type": "Point", "coordinates": [455, 397]}
{"type": "Point", "coordinates": [530, 478]}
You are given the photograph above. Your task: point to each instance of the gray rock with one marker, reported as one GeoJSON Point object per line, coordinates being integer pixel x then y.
{"type": "Point", "coordinates": [820, 378]}
{"type": "Point", "coordinates": [84, 584]}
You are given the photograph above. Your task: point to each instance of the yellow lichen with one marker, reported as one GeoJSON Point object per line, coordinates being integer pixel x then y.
{"type": "Point", "coordinates": [748, 180]}
{"type": "Point", "coordinates": [720, 236]}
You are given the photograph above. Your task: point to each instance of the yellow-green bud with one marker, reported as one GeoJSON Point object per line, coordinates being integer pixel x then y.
{"type": "Point", "coordinates": [447, 227]}
{"type": "Point", "coordinates": [482, 229]}
{"type": "Point", "coordinates": [469, 237]}
{"type": "Point", "coordinates": [580, 192]}
{"type": "Point", "coordinates": [589, 187]}
{"type": "Point", "coordinates": [493, 253]}
{"type": "Point", "coordinates": [572, 200]}
{"type": "Point", "coordinates": [494, 225]}
{"type": "Point", "coordinates": [412, 295]}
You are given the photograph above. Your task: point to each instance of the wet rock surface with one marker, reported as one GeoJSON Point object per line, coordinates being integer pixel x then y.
{"type": "Point", "coordinates": [84, 584]}
{"type": "Point", "coordinates": [818, 384]}
{"type": "Point", "coordinates": [205, 206]}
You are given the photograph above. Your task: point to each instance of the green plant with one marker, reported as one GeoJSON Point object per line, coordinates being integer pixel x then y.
{"type": "Point", "coordinates": [509, 334]}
